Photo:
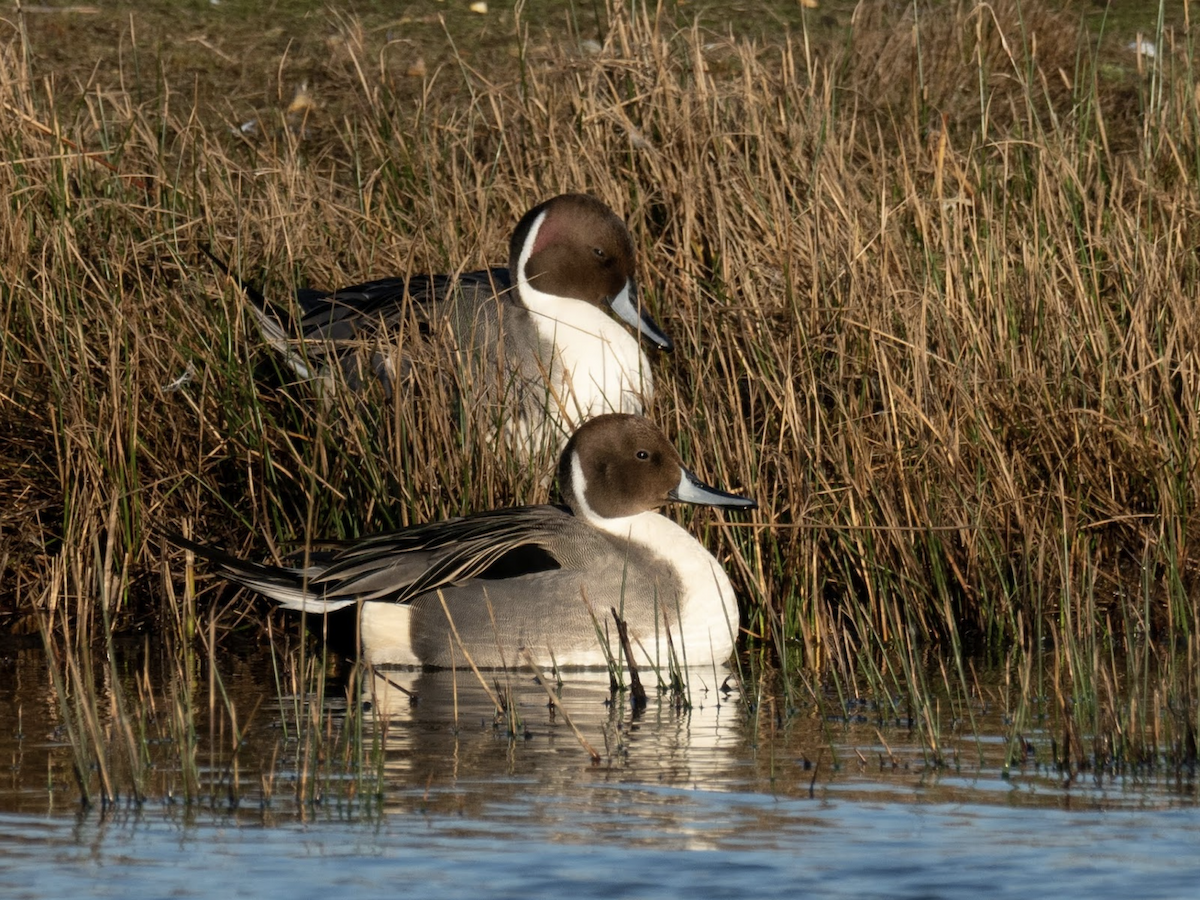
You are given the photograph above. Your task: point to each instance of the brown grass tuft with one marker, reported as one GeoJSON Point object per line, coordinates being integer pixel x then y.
{"type": "Point", "coordinates": [933, 289]}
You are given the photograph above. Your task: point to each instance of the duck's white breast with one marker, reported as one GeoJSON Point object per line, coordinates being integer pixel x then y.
{"type": "Point", "coordinates": [598, 365]}
{"type": "Point", "coordinates": [707, 614]}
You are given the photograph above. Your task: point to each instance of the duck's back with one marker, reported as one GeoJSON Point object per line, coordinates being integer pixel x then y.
{"type": "Point", "coordinates": [373, 308]}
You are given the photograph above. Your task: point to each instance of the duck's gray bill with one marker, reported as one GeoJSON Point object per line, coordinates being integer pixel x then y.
{"type": "Point", "coordinates": [625, 305]}
{"type": "Point", "coordinates": [692, 490]}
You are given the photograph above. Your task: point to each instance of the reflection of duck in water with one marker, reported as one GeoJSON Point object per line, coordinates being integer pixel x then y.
{"type": "Point", "coordinates": [496, 582]}
{"type": "Point", "coordinates": [457, 753]}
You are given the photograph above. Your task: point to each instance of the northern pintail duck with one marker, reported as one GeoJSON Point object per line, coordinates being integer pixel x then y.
{"type": "Point", "coordinates": [532, 576]}
{"type": "Point", "coordinates": [546, 355]}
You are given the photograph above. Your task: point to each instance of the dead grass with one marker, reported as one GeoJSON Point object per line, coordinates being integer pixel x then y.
{"type": "Point", "coordinates": [933, 292]}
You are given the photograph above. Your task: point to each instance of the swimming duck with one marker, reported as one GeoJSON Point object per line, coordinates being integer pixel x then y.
{"type": "Point", "coordinates": [537, 577]}
{"type": "Point", "coordinates": [543, 354]}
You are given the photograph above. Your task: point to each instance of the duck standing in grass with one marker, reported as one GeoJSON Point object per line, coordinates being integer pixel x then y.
{"type": "Point", "coordinates": [540, 352]}
{"type": "Point", "coordinates": [541, 578]}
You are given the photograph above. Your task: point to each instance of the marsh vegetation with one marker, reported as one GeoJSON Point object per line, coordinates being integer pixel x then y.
{"type": "Point", "coordinates": [930, 271]}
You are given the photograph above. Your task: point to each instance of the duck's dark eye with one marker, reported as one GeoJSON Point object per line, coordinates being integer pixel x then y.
{"type": "Point", "coordinates": [643, 454]}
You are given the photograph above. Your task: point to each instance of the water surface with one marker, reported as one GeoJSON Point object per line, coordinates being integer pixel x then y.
{"type": "Point", "coordinates": [717, 801]}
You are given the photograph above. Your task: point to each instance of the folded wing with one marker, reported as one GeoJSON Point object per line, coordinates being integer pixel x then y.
{"type": "Point", "coordinates": [396, 567]}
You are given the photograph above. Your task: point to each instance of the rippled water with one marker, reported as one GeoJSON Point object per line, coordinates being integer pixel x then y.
{"type": "Point", "coordinates": [708, 803]}
{"type": "Point", "coordinates": [615, 842]}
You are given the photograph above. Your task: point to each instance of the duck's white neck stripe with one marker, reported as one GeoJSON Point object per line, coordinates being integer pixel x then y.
{"type": "Point", "coordinates": [551, 310]}
{"type": "Point", "coordinates": [527, 251]}
{"type": "Point", "coordinates": [578, 498]}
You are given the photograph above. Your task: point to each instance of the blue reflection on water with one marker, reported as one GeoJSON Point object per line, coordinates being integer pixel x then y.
{"type": "Point", "coordinates": [736, 845]}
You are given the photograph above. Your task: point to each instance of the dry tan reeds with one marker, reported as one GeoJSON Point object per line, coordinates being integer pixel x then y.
{"type": "Point", "coordinates": [933, 291]}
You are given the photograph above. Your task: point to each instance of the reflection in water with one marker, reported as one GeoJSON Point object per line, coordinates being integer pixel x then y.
{"type": "Point", "coordinates": [448, 795]}
{"type": "Point", "coordinates": [451, 751]}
